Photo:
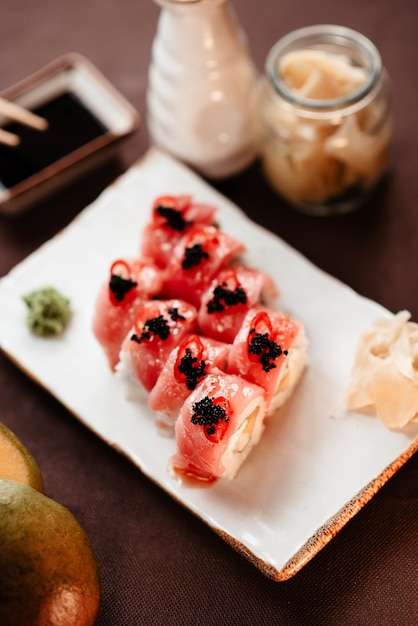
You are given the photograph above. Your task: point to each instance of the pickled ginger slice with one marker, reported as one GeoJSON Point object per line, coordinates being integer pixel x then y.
{"type": "Point", "coordinates": [385, 371]}
{"type": "Point", "coordinates": [364, 153]}
{"type": "Point", "coordinates": [319, 74]}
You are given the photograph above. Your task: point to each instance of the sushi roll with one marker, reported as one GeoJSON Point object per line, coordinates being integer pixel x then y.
{"type": "Point", "coordinates": [158, 328]}
{"type": "Point", "coordinates": [218, 425]}
{"type": "Point", "coordinates": [130, 284]}
{"type": "Point", "coordinates": [196, 259]}
{"type": "Point", "coordinates": [231, 294]}
{"type": "Point", "coordinates": [269, 350]}
{"type": "Point", "coordinates": [186, 366]}
{"type": "Point", "coordinates": [171, 217]}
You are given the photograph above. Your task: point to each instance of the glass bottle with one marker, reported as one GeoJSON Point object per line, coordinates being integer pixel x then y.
{"type": "Point", "coordinates": [325, 111]}
{"type": "Point", "coordinates": [201, 84]}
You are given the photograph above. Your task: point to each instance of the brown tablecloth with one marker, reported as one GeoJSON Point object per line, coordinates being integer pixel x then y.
{"type": "Point", "coordinates": [159, 564]}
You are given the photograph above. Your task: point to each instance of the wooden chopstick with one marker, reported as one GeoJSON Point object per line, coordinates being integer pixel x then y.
{"type": "Point", "coordinates": [18, 113]}
{"type": "Point", "coordinates": [9, 139]}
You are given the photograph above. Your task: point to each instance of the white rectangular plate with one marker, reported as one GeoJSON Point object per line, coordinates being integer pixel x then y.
{"type": "Point", "coordinates": [316, 465]}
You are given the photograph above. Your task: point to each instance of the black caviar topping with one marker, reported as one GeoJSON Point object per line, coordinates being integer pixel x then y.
{"type": "Point", "coordinates": [173, 218]}
{"type": "Point", "coordinates": [175, 315]}
{"type": "Point", "coordinates": [223, 297]}
{"type": "Point", "coordinates": [193, 256]}
{"type": "Point", "coordinates": [156, 326]}
{"type": "Point", "coordinates": [267, 349]}
{"type": "Point", "coordinates": [208, 414]}
{"type": "Point", "coordinates": [120, 286]}
{"type": "Point", "coordinates": [193, 373]}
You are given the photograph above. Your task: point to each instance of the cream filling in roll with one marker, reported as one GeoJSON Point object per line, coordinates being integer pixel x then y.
{"type": "Point", "coordinates": [291, 372]}
{"type": "Point", "coordinates": [245, 437]}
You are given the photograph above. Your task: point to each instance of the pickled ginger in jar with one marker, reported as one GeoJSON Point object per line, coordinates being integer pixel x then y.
{"type": "Point", "coordinates": [325, 119]}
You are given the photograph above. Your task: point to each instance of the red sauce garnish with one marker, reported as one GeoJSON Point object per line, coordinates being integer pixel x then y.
{"type": "Point", "coordinates": [212, 414]}
{"type": "Point", "coordinates": [199, 247]}
{"type": "Point", "coordinates": [190, 475]}
{"type": "Point", "coordinates": [261, 347]}
{"type": "Point", "coordinates": [189, 368]}
{"type": "Point", "coordinates": [121, 284]}
{"type": "Point", "coordinates": [227, 294]}
{"type": "Point", "coordinates": [169, 212]}
{"type": "Point", "coordinates": [193, 256]}
{"type": "Point", "coordinates": [151, 328]}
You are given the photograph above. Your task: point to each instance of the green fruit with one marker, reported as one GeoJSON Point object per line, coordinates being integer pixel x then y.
{"type": "Point", "coordinates": [48, 572]}
{"type": "Point", "coordinates": [16, 462]}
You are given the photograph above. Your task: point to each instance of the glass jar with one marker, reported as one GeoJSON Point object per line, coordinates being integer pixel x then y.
{"type": "Point", "coordinates": [325, 112]}
{"type": "Point", "coordinates": [201, 82]}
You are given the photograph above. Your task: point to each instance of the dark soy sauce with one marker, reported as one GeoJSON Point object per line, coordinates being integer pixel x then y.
{"type": "Point", "coordinates": [71, 125]}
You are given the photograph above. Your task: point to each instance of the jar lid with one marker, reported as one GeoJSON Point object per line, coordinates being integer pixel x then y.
{"type": "Point", "coordinates": [329, 38]}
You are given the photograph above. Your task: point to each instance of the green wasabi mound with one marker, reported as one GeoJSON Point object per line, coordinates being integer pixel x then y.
{"type": "Point", "coordinates": [48, 311]}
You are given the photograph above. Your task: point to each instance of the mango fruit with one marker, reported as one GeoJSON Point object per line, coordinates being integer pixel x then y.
{"type": "Point", "coordinates": [48, 572]}
{"type": "Point", "coordinates": [16, 462]}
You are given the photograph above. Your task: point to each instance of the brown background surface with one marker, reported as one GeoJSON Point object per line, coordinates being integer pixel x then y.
{"type": "Point", "coordinates": [160, 565]}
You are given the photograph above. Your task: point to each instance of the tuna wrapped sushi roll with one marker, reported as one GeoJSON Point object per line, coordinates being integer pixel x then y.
{"type": "Point", "coordinates": [269, 350]}
{"type": "Point", "coordinates": [130, 284]}
{"type": "Point", "coordinates": [171, 218]}
{"type": "Point", "coordinates": [186, 366]}
{"type": "Point", "coordinates": [195, 261]}
{"type": "Point", "coordinates": [231, 294]}
{"type": "Point", "coordinates": [158, 328]}
{"type": "Point", "coordinates": [218, 426]}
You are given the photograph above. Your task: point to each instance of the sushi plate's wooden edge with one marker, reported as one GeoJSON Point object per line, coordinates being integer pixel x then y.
{"type": "Point", "coordinates": [327, 531]}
